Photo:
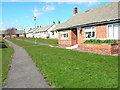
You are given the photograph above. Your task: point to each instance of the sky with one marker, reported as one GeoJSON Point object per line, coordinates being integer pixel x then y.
{"type": "Point", "coordinates": [19, 14]}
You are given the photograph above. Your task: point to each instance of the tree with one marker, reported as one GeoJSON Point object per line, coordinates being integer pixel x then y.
{"type": "Point", "coordinates": [11, 31]}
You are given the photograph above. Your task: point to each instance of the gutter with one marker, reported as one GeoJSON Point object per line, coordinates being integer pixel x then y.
{"type": "Point", "coordinates": [91, 24]}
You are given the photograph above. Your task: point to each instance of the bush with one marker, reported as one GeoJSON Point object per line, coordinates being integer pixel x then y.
{"type": "Point", "coordinates": [100, 41]}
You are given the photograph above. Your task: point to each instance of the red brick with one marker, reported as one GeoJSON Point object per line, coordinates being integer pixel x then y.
{"type": "Point", "coordinates": [101, 31]}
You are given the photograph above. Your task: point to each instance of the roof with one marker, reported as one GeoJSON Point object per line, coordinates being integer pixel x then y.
{"type": "Point", "coordinates": [55, 28]}
{"type": "Point", "coordinates": [45, 28]}
{"type": "Point", "coordinates": [32, 30]}
{"type": "Point", "coordinates": [102, 13]}
{"type": "Point", "coordinates": [20, 32]}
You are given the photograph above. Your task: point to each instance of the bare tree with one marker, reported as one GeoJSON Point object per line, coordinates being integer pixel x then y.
{"type": "Point", "coordinates": [11, 31]}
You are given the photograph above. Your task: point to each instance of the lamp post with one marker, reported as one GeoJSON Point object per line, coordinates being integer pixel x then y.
{"type": "Point", "coordinates": [23, 32]}
{"type": "Point", "coordinates": [35, 28]}
{"type": "Point", "coordinates": [35, 21]}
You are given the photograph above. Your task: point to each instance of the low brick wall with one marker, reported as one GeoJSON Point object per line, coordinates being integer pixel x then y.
{"type": "Point", "coordinates": [104, 49]}
{"type": "Point", "coordinates": [64, 42]}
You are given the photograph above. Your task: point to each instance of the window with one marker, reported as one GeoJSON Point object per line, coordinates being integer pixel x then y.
{"type": "Point", "coordinates": [64, 35]}
{"type": "Point", "coordinates": [112, 31]}
{"type": "Point", "coordinates": [89, 33]}
{"type": "Point", "coordinates": [52, 33]}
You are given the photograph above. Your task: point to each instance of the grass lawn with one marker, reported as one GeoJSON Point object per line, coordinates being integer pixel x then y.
{"type": "Point", "coordinates": [48, 41]}
{"type": "Point", "coordinates": [71, 69]}
{"type": "Point", "coordinates": [5, 61]}
{"type": "Point", "coordinates": [20, 43]}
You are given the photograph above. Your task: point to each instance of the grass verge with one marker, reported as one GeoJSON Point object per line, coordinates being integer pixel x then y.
{"type": "Point", "coordinates": [20, 43]}
{"type": "Point", "coordinates": [71, 69]}
{"type": "Point", "coordinates": [48, 41]}
{"type": "Point", "coordinates": [5, 61]}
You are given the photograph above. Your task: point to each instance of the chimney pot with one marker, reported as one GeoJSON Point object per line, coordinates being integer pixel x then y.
{"type": "Point", "coordinates": [37, 26]}
{"type": "Point", "coordinates": [53, 22]}
{"type": "Point", "coordinates": [58, 22]}
{"type": "Point", "coordinates": [75, 11]}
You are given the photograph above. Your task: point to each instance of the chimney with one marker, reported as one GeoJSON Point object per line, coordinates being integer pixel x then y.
{"type": "Point", "coordinates": [58, 22]}
{"type": "Point", "coordinates": [40, 26]}
{"type": "Point", "coordinates": [53, 22]}
{"type": "Point", "coordinates": [75, 11]}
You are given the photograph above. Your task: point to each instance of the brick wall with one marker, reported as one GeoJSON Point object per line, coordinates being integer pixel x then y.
{"type": "Point", "coordinates": [104, 49]}
{"type": "Point", "coordinates": [80, 36]}
{"type": "Point", "coordinates": [13, 36]}
{"type": "Point", "coordinates": [115, 49]}
{"type": "Point", "coordinates": [65, 42]}
{"type": "Point", "coordinates": [118, 41]}
{"type": "Point", "coordinates": [21, 36]}
{"type": "Point", "coordinates": [72, 38]}
{"type": "Point", "coordinates": [101, 31]}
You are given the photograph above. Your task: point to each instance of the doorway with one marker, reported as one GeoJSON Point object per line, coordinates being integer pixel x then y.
{"type": "Point", "coordinates": [3, 35]}
{"type": "Point", "coordinates": [17, 35]}
{"type": "Point", "coordinates": [74, 37]}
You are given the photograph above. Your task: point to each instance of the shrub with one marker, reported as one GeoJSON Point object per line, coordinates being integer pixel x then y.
{"type": "Point", "coordinates": [100, 41]}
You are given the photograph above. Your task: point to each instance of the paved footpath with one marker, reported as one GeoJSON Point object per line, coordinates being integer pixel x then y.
{"type": "Point", "coordinates": [23, 72]}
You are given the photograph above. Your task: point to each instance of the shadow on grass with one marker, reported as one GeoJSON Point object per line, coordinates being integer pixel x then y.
{"type": "Point", "coordinates": [2, 45]}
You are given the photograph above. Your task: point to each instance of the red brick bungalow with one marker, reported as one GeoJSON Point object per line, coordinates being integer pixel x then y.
{"type": "Point", "coordinates": [98, 23]}
{"type": "Point", "coordinates": [18, 33]}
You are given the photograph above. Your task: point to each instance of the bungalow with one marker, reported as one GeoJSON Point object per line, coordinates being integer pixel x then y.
{"type": "Point", "coordinates": [100, 23]}
{"type": "Point", "coordinates": [46, 32]}
{"type": "Point", "coordinates": [30, 33]}
{"type": "Point", "coordinates": [17, 33]}
{"type": "Point", "coordinates": [54, 32]}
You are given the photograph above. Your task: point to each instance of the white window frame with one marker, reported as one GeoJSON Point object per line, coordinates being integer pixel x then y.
{"type": "Point", "coordinates": [113, 37]}
{"type": "Point", "coordinates": [64, 38]}
{"type": "Point", "coordinates": [91, 30]}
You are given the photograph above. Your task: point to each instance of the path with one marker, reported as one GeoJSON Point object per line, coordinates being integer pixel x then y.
{"type": "Point", "coordinates": [23, 72]}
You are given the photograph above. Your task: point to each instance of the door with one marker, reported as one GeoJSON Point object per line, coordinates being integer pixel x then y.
{"type": "Point", "coordinates": [17, 35]}
{"type": "Point", "coordinates": [74, 37]}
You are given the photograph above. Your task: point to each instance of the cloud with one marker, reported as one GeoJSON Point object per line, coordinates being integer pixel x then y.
{"type": "Point", "coordinates": [14, 22]}
{"type": "Point", "coordinates": [40, 11]}
{"type": "Point", "coordinates": [4, 26]}
{"type": "Point", "coordinates": [27, 16]}
{"type": "Point", "coordinates": [48, 8]}
{"type": "Point", "coordinates": [36, 12]}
